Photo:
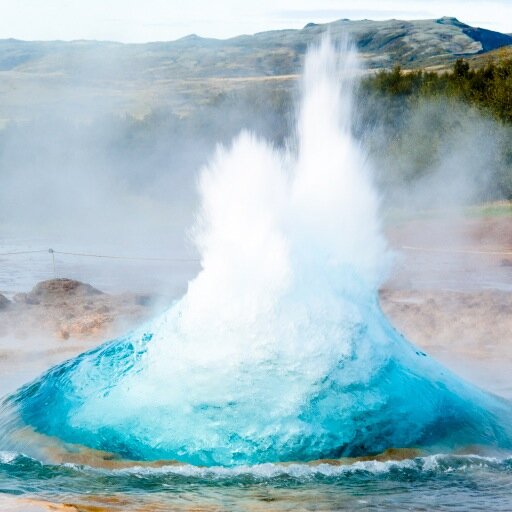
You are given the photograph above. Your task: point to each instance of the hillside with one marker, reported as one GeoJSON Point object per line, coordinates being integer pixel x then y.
{"type": "Point", "coordinates": [504, 53]}
{"type": "Point", "coordinates": [382, 44]}
{"type": "Point", "coordinates": [95, 76]}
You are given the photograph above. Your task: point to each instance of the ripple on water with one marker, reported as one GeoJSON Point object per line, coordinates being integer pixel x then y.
{"type": "Point", "coordinates": [442, 481]}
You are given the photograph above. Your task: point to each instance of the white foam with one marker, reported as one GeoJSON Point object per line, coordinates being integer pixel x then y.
{"type": "Point", "coordinates": [444, 463]}
{"type": "Point", "coordinates": [8, 457]}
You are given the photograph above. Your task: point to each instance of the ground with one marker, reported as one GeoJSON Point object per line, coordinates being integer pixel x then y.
{"type": "Point", "coordinates": [450, 292]}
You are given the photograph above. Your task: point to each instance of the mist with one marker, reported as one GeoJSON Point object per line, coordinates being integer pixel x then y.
{"type": "Point", "coordinates": [92, 181]}
{"type": "Point", "coordinates": [81, 172]}
{"type": "Point", "coordinates": [436, 154]}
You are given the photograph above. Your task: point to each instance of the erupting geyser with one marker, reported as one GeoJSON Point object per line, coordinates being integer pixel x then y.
{"type": "Point", "coordinates": [279, 350]}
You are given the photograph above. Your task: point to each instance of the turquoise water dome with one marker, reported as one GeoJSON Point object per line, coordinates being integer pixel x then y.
{"type": "Point", "coordinates": [279, 350]}
{"type": "Point", "coordinates": [397, 398]}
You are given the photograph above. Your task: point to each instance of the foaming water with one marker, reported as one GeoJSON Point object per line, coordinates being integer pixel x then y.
{"type": "Point", "coordinates": [440, 482]}
{"type": "Point", "coordinates": [279, 350]}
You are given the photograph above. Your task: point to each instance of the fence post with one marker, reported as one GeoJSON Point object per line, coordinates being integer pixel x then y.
{"type": "Point", "coordinates": [52, 252]}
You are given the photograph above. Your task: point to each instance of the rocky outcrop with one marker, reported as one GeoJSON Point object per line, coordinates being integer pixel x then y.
{"type": "Point", "coordinates": [55, 290]}
{"type": "Point", "coordinates": [69, 309]}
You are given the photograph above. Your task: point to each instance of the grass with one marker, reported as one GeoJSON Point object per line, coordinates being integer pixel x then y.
{"type": "Point", "coordinates": [491, 209]}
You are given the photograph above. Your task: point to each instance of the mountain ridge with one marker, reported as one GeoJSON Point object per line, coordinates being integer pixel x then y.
{"type": "Point", "coordinates": [135, 77]}
{"type": "Point", "coordinates": [397, 39]}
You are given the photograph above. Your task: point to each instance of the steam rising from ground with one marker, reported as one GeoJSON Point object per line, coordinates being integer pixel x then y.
{"type": "Point", "coordinates": [436, 153]}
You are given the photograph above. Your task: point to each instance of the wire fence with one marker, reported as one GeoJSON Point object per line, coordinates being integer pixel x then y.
{"type": "Point", "coordinates": [107, 256]}
{"type": "Point", "coordinates": [489, 252]}
{"type": "Point", "coordinates": [53, 252]}
{"type": "Point", "coordinates": [496, 252]}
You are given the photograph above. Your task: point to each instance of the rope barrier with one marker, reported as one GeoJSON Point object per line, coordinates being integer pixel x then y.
{"type": "Point", "coordinates": [90, 255]}
{"type": "Point", "coordinates": [456, 251]}
{"type": "Point", "coordinates": [136, 258]}
{"type": "Point", "coordinates": [22, 252]}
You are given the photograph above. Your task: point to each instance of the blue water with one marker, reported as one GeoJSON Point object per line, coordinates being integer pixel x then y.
{"type": "Point", "coordinates": [406, 400]}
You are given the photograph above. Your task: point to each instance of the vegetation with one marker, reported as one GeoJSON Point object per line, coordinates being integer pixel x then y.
{"type": "Point", "coordinates": [494, 209]}
{"type": "Point", "coordinates": [490, 210]}
{"type": "Point", "coordinates": [450, 129]}
{"type": "Point", "coordinates": [488, 88]}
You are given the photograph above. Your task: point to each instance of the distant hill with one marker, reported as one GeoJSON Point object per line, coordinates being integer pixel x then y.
{"type": "Point", "coordinates": [136, 77]}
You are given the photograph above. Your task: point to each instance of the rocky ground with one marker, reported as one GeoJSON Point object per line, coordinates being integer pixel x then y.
{"type": "Point", "coordinates": [450, 292]}
{"type": "Point", "coordinates": [469, 331]}
{"type": "Point", "coordinates": [57, 320]}
{"type": "Point", "coordinates": [67, 309]}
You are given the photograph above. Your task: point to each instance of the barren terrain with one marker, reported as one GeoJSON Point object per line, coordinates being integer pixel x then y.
{"type": "Point", "coordinates": [450, 292]}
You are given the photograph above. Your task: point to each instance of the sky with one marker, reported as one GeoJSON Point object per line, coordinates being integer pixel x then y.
{"type": "Point", "coordinates": [164, 20]}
